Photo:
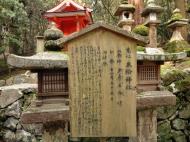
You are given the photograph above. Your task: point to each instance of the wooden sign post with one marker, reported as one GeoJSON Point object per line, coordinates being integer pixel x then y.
{"type": "Point", "coordinates": [102, 84]}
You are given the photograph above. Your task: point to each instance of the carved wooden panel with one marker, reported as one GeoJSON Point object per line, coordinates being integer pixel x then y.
{"type": "Point", "coordinates": [102, 85]}
{"type": "Point", "coordinates": [53, 82]}
{"type": "Point", "coordinates": [148, 74]}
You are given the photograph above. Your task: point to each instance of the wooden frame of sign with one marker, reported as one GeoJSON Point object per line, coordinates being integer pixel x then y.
{"type": "Point", "coordinates": [102, 84]}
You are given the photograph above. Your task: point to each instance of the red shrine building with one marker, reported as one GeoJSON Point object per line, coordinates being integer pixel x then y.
{"type": "Point", "coordinates": [69, 16]}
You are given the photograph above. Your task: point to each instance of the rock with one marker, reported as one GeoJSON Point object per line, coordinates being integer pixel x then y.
{"type": "Point", "coordinates": [9, 81]}
{"type": "Point", "coordinates": [20, 87]}
{"type": "Point", "coordinates": [14, 110]}
{"type": "Point", "coordinates": [187, 70]}
{"type": "Point", "coordinates": [24, 78]}
{"type": "Point", "coordinates": [35, 129]}
{"type": "Point", "coordinates": [173, 88]}
{"type": "Point", "coordinates": [2, 83]}
{"type": "Point", "coordinates": [9, 96]}
{"type": "Point", "coordinates": [172, 76]}
{"type": "Point", "coordinates": [11, 123]}
{"type": "Point", "coordinates": [179, 136]}
{"type": "Point", "coordinates": [23, 136]}
{"type": "Point", "coordinates": [164, 130]}
{"type": "Point", "coordinates": [185, 112]}
{"type": "Point", "coordinates": [29, 90]}
{"type": "Point", "coordinates": [34, 78]}
{"type": "Point", "coordinates": [166, 112]}
{"type": "Point", "coordinates": [179, 124]}
{"type": "Point", "coordinates": [9, 136]}
{"type": "Point", "coordinates": [19, 126]}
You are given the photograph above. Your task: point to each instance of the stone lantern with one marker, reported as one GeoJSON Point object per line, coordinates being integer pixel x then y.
{"type": "Point", "coordinates": [176, 24]}
{"type": "Point", "coordinates": [126, 12]}
{"type": "Point", "coordinates": [150, 13]}
{"type": "Point", "coordinates": [52, 100]}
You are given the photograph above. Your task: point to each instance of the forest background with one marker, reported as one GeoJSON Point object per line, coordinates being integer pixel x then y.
{"type": "Point", "coordinates": [21, 20]}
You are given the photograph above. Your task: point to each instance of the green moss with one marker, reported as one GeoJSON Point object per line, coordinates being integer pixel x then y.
{"type": "Point", "coordinates": [183, 85]}
{"type": "Point", "coordinates": [176, 46]}
{"type": "Point", "coordinates": [176, 17]}
{"type": "Point", "coordinates": [164, 131]}
{"type": "Point", "coordinates": [141, 30]}
{"type": "Point", "coordinates": [140, 48]}
{"type": "Point", "coordinates": [172, 76]}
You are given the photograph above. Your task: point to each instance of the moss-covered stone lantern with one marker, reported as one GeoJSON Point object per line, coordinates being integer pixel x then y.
{"type": "Point", "coordinates": [176, 23]}
{"type": "Point", "coordinates": [150, 13]}
{"type": "Point", "coordinates": [51, 105]}
{"type": "Point", "coordinates": [126, 12]}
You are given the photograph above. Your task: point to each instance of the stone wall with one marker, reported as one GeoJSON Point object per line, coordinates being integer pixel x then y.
{"type": "Point", "coordinates": [27, 77]}
{"type": "Point", "coordinates": [14, 100]}
{"type": "Point", "coordinates": [11, 129]}
{"type": "Point", "coordinates": [174, 122]}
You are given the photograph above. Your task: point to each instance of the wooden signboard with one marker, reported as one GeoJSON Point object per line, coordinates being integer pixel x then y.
{"type": "Point", "coordinates": [102, 84]}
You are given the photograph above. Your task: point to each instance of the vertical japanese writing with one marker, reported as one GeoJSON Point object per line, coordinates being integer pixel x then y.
{"type": "Point", "coordinates": [86, 64]}
{"type": "Point", "coordinates": [128, 70]}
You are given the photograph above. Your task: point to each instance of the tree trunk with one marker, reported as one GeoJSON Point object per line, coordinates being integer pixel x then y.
{"type": "Point", "coordinates": [139, 5]}
{"type": "Point", "coordinates": [181, 4]}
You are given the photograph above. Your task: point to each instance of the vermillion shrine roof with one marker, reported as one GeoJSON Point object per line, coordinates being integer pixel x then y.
{"type": "Point", "coordinates": [69, 16]}
{"type": "Point", "coordinates": [68, 5]}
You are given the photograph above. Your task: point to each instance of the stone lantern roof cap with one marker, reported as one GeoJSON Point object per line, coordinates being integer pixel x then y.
{"type": "Point", "coordinates": [177, 19]}
{"type": "Point", "coordinates": [124, 6]}
{"type": "Point", "coordinates": [44, 60]}
{"type": "Point", "coordinates": [151, 8]}
{"type": "Point", "coordinates": [178, 23]}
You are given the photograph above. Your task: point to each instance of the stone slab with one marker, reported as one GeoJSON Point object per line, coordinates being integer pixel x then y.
{"type": "Point", "coordinates": [46, 113]}
{"type": "Point", "coordinates": [8, 97]}
{"type": "Point", "coordinates": [153, 99]}
{"type": "Point", "coordinates": [60, 112]}
{"type": "Point", "coordinates": [10, 94]}
{"type": "Point", "coordinates": [161, 57]}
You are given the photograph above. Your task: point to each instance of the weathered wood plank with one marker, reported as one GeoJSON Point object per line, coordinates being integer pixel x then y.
{"type": "Point", "coordinates": [102, 85]}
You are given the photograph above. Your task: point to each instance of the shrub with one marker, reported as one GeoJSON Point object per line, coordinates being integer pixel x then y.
{"type": "Point", "coordinates": [141, 30]}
